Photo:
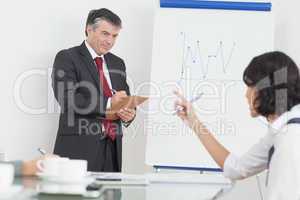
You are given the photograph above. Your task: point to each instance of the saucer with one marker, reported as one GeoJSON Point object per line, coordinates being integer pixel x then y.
{"type": "Point", "coordinates": [43, 175]}
{"type": "Point", "coordinates": [56, 189]}
{"type": "Point", "coordinates": [12, 191]}
{"type": "Point", "coordinates": [85, 180]}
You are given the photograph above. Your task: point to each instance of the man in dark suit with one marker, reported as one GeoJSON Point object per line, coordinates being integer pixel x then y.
{"type": "Point", "coordinates": [87, 82]}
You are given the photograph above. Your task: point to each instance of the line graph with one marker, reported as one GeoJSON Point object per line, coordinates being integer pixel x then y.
{"type": "Point", "coordinates": [193, 57]}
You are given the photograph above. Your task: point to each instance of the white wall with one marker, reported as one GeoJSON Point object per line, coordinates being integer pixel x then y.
{"type": "Point", "coordinates": [33, 31]}
{"type": "Point", "coordinates": [287, 29]}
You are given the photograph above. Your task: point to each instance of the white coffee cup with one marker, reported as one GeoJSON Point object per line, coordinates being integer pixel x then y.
{"type": "Point", "coordinates": [6, 176]}
{"type": "Point", "coordinates": [63, 168]}
{"type": "Point", "coordinates": [51, 166]}
{"type": "Point", "coordinates": [73, 169]}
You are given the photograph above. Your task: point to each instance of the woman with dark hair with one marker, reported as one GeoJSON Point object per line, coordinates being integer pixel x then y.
{"type": "Point", "coordinates": [273, 91]}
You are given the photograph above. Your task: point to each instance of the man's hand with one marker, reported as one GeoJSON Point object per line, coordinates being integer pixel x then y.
{"type": "Point", "coordinates": [115, 100]}
{"type": "Point", "coordinates": [117, 97]}
{"type": "Point", "coordinates": [126, 114]}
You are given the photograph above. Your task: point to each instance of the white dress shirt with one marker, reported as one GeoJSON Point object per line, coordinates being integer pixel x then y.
{"type": "Point", "coordinates": [284, 172]}
{"type": "Point", "coordinates": [105, 69]}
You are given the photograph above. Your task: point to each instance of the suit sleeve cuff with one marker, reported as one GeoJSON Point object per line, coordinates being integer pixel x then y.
{"type": "Point", "coordinates": [126, 124]}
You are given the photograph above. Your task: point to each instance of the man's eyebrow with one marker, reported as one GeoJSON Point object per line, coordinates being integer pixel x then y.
{"type": "Point", "coordinates": [106, 32]}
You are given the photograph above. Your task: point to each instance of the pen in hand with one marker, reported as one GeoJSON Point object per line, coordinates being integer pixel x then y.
{"type": "Point", "coordinates": [196, 98]}
{"type": "Point", "coordinates": [42, 151]}
{"type": "Point", "coordinates": [113, 91]}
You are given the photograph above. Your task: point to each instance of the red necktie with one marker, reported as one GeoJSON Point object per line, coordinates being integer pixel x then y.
{"type": "Point", "coordinates": [109, 126]}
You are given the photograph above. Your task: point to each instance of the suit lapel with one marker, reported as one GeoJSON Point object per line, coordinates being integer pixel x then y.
{"type": "Point", "coordinates": [89, 64]}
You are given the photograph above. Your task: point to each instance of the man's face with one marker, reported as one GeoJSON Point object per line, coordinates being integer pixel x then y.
{"type": "Point", "coordinates": [103, 38]}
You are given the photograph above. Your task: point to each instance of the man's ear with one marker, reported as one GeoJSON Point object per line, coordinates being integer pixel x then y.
{"type": "Point", "coordinates": [88, 29]}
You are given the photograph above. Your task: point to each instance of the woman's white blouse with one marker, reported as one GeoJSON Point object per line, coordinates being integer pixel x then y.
{"type": "Point", "coordinates": [284, 175]}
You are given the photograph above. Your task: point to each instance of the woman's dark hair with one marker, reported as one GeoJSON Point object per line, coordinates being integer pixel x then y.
{"type": "Point", "coordinates": [275, 76]}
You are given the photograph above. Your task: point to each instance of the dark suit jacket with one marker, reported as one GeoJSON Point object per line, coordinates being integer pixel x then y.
{"type": "Point", "coordinates": [77, 89]}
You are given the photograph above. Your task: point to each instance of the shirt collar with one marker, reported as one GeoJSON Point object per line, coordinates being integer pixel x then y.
{"type": "Point", "coordinates": [92, 51]}
{"type": "Point", "coordinates": [285, 117]}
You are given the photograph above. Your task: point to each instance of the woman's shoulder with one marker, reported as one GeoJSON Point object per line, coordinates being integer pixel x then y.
{"type": "Point", "coordinates": [288, 136]}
